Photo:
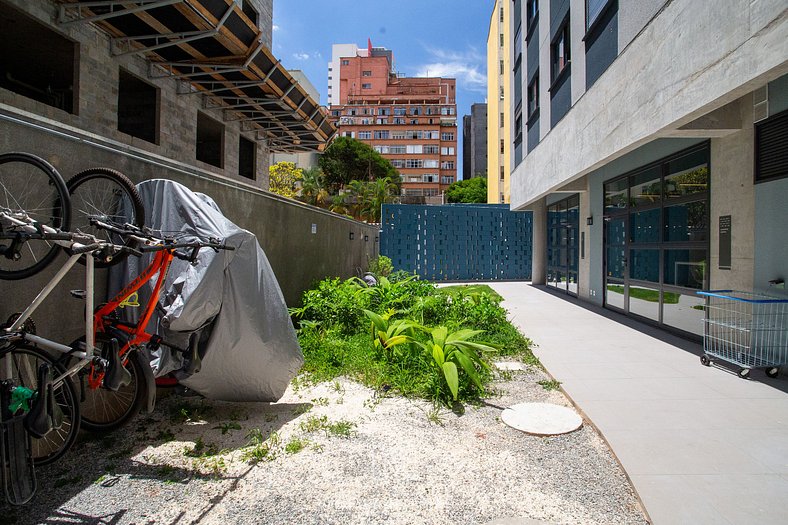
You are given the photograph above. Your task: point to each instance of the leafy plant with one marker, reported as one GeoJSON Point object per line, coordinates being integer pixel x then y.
{"type": "Point", "coordinates": [551, 384]}
{"type": "Point", "coordinates": [381, 266]}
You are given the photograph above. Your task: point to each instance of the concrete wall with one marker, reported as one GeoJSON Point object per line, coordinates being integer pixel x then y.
{"type": "Point", "coordinates": [647, 92]}
{"type": "Point", "coordinates": [282, 226]}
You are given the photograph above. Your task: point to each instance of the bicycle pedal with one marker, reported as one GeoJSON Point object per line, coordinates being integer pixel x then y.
{"type": "Point", "coordinates": [78, 294]}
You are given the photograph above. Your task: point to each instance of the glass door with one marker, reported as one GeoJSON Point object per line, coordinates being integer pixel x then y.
{"type": "Point", "coordinates": [563, 244]}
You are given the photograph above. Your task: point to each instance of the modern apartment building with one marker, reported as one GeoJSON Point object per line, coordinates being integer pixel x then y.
{"type": "Point", "coordinates": [474, 142]}
{"type": "Point", "coordinates": [411, 121]}
{"type": "Point", "coordinates": [499, 102]}
{"type": "Point", "coordinates": [650, 141]}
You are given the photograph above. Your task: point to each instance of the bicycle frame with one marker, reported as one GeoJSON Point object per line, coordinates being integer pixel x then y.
{"type": "Point", "coordinates": [159, 266]}
{"type": "Point", "coordinates": [83, 356]}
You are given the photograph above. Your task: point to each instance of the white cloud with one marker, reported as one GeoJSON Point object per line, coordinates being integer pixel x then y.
{"type": "Point", "coordinates": [467, 67]}
{"type": "Point", "coordinates": [307, 56]}
{"type": "Point", "coordinates": [275, 28]}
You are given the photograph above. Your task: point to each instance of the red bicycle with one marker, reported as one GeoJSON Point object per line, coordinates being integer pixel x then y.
{"type": "Point", "coordinates": [102, 409]}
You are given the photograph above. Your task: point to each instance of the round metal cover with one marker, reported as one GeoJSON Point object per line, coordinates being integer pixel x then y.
{"type": "Point", "coordinates": [542, 419]}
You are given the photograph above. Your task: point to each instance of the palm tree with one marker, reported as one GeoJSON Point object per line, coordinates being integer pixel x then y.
{"type": "Point", "coordinates": [313, 189]}
{"type": "Point", "coordinates": [382, 191]}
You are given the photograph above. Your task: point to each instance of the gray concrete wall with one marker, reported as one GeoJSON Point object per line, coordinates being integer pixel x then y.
{"type": "Point", "coordinates": [647, 92]}
{"type": "Point", "coordinates": [635, 14]}
{"type": "Point", "coordinates": [733, 193]}
{"type": "Point", "coordinates": [282, 226]}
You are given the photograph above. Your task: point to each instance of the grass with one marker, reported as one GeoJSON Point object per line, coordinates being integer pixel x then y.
{"type": "Point", "coordinates": [342, 428]}
{"type": "Point", "coordinates": [550, 384]}
{"type": "Point", "coordinates": [645, 294]}
{"type": "Point", "coordinates": [471, 289]}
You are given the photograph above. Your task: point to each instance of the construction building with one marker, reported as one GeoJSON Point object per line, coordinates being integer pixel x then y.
{"type": "Point", "coordinates": [412, 122]}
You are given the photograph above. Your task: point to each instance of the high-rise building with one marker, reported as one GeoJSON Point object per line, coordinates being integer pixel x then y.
{"type": "Point", "coordinates": [652, 155]}
{"type": "Point", "coordinates": [411, 121]}
{"type": "Point", "coordinates": [499, 114]}
{"type": "Point", "coordinates": [474, 142]}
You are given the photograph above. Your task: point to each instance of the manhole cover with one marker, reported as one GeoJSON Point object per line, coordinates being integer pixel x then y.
{"type": "Point", "coordinates": [542, 419]}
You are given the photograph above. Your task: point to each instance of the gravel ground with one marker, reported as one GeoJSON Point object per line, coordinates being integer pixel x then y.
{"type": "Point", "coordinates": [402, 462]}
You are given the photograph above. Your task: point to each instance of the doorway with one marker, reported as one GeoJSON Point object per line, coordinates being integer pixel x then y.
{"type": "Point", "coordinates": [562, 244]}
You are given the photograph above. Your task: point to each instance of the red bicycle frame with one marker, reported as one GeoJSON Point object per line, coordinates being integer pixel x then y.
{"type": "Point", "coordinates": [137, 334]}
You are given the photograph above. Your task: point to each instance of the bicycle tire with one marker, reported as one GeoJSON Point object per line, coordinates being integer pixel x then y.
{"type": "Point", "coordinates": [103, 410]}
{"type": "Point", "coordinates": [24, 366]}
{"type": "Point", "coordinates": [107, 195]}
{"type": "Point", "coordinates": [45, 199]}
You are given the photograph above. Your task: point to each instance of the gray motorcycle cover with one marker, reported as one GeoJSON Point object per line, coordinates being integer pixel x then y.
{"type": "Point", "coordinates": [232, 299]}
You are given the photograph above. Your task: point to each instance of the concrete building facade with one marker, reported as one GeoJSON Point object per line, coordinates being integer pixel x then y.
{"type": "Point", "coordinates": [474, 142]}
{"type": "Point", "coordinates": [649, 141]}
{"type": "Point", "coordinates": [72, 96]}
{"type": "Point", "coordinates": [499, 102]}
{"type": "Point", "coordinates": [412, 122]}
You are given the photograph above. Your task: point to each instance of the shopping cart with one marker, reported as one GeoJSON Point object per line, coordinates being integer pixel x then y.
{"type": "Point", "coordinates": [747, 329]}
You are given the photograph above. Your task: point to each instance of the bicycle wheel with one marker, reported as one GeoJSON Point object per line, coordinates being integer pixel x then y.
{"type": "Point", "coordinates": [109, 196]}
{"type": "Point", "coordinates": [103, 410]}
{"type": "Point", "coordinates": [25, 361]}
{"type": "Point", "coordinates": [30, 185]}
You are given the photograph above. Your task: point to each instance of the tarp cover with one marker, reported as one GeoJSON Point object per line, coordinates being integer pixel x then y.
{"type": "Point", "coordinates": [248, 345]}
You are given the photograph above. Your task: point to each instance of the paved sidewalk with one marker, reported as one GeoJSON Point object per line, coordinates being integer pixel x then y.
{"type": "Point", "coordinates": [700, 444]}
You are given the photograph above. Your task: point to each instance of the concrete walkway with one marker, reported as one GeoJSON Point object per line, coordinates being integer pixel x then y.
{"type": "Point", "coordinates": [700, 444]}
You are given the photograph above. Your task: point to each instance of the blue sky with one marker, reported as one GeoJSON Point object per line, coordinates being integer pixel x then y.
{"type": "Point", "coordinates": [429, 38]}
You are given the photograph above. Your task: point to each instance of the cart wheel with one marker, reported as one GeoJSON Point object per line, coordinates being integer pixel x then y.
{"type": "Point", "coordinates": [744, 373]}
{"type": "Point", "coordinates": [704, 360]}
{"type": "Point", "coordinates": [772, 372]}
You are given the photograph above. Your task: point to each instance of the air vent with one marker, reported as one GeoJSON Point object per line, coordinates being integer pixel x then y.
{"type": "Point", "coordinates": [760, 104]}
{"type": "Point", "coordinates": [771, 148]}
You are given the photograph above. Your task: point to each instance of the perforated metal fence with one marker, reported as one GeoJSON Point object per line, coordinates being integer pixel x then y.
{"type": "Point", "coordinates": [458, 242]}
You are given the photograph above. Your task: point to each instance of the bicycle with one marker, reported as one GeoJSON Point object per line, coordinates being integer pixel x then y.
{"type": "Point", "coordinates": [104, 410]}
{"type": "Point", "coordinates": [32, 187]}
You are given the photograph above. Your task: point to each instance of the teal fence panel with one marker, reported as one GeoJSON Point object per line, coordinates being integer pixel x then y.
{"type": "Point", "coordinates": [458, 242]}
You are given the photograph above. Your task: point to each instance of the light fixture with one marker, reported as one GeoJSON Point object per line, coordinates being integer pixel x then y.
{"type": "Point", "coordinates": [589, 221]}
{"type": "Point", "coordinates": [351, 236]}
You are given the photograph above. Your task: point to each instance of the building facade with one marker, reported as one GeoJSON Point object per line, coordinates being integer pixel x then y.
{"type": "Point", "coordinates": [499, 103]}
{"type": "Point", "coordinates": [412, 122]}
{"type": "Point", "coordinates": [474, 142]}
{"type": "Point", "coordinates": [649, 142]}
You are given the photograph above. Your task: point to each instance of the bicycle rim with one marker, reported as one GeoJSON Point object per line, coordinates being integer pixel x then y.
{"type": "Point", "coordinates": [103, 410]}
{"type": "Point", "coordinates": [24, 367]}
{"type": "Point", "coordinates": [109, 196]}
{"type": "Point", "coordinates": [30, 185]}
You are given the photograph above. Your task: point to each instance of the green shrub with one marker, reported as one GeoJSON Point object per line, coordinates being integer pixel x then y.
{"type": "Point", "coordinates": [381, 266]}
{"type": "Point", "coordinates": [406, 335]}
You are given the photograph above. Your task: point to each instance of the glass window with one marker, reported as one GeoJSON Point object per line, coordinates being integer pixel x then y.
{"type": "Point", "coordinates": [366, 73]}
{"type": "Point", "coordinates": [559, 50]}
{"type": "Point", "coordinates": [687, 175]}
{"type": "Point", "coordinates": [644, 265]}
{"type": "Point", "coordinates": [686, 222]}
{"type": "Point", "coordinates": [594, 8]}
{"type": "Point", "coordinates": [685, 312]}
{"type": "Point", "coordinates": [644, 301]}
{"type": "Point", "coordinates": [616, 195]}
{"type": "Point", "coordinates": [533, 95]}
{"type": "Point", "coordinates": [614, 295]}
{"type": "Point", "coordinates": [644, 226]}
{"type": "Point", "coordinates": [685, 268]}
{"type": "Point", "coordinates": [531, 11]}
{"type": "Point", "coordinates": [646, 186]}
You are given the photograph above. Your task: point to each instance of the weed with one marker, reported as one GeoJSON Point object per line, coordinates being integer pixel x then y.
{"type": "Point", "coordinates": [165, 435]}
{"type": "Point", "coordinates": [260, 448]}
{"type": "Point", "coordinates": [313, 423]}
{"type": "Point", "coordinates": [123, 453]}
{"type": "Point", "coordinates": [186, 411]}
{"type": "Point", "coordinates": [320, 401]}
{"type": "Point", "coordinates": [342, 428]}
{"type": "Point", "coordinates": [201, 449]}
{"type": "Point", "coordinates": [296, 445]}
{"type": "Point", "coordinates": [506, 375]}
{"type": "Point", "coordinates": [372, 403]}
{"type": "Point", "coordinates": [165, 471]}
{"type": "Point", "coordinates": [238, 415]}
{"type": "Point", "coordinates": [227, 427]}
{"type": "Point", "coordinates": [214, 465]}
{"type": "Point", "coordinates": [301, 409]}
{"type": "Point", "coordinates": [435, 416]}
{"type": "Point", "coordinates": [271, 417]}
{"type": "Point", "coordinates": [551, 384]}
{"type": "Point", "coordinates": [101, 478]}
{"type": "Point", "coordinates": [338, 388]}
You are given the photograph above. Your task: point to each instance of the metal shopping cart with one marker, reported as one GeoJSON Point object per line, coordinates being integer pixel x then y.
{"type": "Point", "coordinates": [747, 329]}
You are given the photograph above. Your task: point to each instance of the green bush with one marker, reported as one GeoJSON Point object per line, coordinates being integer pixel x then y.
{"type": "Point", "coordinates": [381, 266]}
{"type": "Point", "coordinates": [406, 334]}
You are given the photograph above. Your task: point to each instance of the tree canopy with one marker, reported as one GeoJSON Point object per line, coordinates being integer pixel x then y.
{"type": "Point", "coordinates": [284, 178]}
{"type": "Point", "coordinates": [347, 159]}
{"type": "Point", "coordinates": [468, 191]}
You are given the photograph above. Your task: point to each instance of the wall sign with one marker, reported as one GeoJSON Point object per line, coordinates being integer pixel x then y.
{"type": "Point", "coordinates": [725, 242]}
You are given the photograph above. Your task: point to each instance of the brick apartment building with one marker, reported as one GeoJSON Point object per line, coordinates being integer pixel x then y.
{"type": "Point", "coordinates": [410, 121]}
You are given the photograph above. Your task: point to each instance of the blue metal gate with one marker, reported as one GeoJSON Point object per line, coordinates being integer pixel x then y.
{"type": "Point", "coordinates": [458, 242]}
